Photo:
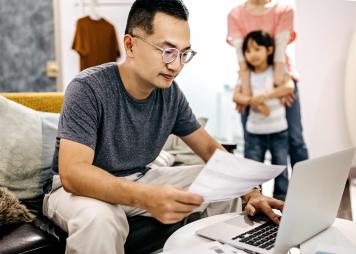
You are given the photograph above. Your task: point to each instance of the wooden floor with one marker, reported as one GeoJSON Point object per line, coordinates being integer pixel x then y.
{"type": "Point", "coordinates": [345, 211]}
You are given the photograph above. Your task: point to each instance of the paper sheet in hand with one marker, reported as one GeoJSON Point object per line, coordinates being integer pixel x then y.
{"type": "Point", "coordinates": [227, 176]}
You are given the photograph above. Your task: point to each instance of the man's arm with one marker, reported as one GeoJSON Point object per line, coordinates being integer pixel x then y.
{"type": "Point", "coordinates": [166, 203]}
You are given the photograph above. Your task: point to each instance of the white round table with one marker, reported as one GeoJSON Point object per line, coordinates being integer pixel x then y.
{"type": "Point", "coordinates": [341, 233]}
{"type": "Point", "coordinates": [185, 236]}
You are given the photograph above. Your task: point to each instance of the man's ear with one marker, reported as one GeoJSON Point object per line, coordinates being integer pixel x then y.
{"type": "Point", "coordinates": [128, 44]}
{"type": "Point", "coordinates": [269, 50]}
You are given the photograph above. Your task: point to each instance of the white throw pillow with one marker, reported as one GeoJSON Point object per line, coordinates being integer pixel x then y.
{"type": "Point", "coordinates": [27, 140]}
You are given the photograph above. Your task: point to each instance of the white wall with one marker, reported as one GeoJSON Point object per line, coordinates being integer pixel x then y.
{"type": "Point", "coordinates": [324, 32]}
{"type": "Point", "coordinates": [203, 79]}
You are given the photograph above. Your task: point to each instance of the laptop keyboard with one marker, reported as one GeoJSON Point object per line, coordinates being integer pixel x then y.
{"type": "Point", "coordinates": [262, 236]}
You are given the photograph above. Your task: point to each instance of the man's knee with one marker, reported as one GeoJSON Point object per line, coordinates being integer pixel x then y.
{"type": "Point", "coordinates": [102, 218]}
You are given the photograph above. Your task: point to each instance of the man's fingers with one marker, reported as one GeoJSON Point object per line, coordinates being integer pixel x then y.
{"type": "Point", "coordinates": [188, 198]}
{"type": "Point", "coordinates": [277, 204]}
{"type": "Point", "coordinates": [269, 212]}
{"type": "Point", "coordinates": [183, 208]}
{"type": "Point", "coordinates": [250, 209]}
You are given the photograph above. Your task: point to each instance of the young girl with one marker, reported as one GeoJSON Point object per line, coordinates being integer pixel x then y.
{"type": "Point", "coordinates": [266, 127]}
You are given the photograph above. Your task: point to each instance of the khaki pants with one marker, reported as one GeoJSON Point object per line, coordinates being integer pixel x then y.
{"type": "Point", "coordinates": [94, 226]}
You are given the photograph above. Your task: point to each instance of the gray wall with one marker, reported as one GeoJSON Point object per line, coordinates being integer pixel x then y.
{"type": "Point", "coordinates": [26, 44]}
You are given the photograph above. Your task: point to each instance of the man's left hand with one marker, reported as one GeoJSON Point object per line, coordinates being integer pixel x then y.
{"type": "Point", "coordinates": [256, 202]}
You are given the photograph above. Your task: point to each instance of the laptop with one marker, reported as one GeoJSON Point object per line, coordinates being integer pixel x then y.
{"type": "Point", "coordinates": [311, 205]}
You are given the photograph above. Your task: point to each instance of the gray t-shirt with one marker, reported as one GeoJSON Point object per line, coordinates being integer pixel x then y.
{"type": "Point", "coordinates": [126, 134]}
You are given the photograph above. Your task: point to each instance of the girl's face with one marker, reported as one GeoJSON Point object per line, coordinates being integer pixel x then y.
{"type": "Point", "coordinates": [257, 55]}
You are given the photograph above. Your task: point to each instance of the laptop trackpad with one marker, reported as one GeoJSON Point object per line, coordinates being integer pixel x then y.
{"type": "Point", "coordinates": [241, 221]}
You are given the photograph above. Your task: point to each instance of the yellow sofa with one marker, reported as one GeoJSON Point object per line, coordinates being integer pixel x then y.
{"type": "Point", "coordinates": [44, 101]}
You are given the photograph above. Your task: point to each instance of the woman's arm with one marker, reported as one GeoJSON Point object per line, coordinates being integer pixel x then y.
{"type": "Point", "coordinates": [239, 97]}
{"type": "Point", "coordinates": [281, 42]}
{"type": "Point", "coordinates": [286, 88]}
{"type": "Point", "coordinates": [244, 73]}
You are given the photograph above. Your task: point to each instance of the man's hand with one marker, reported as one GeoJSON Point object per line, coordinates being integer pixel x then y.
{"type": "Point", "coordinates": [256, 203]}
{"type": "Point", "coordinates": [169, 204]}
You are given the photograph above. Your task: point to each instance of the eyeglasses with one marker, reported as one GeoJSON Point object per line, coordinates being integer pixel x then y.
{"type": "Point", "coordinates": [170, 54]}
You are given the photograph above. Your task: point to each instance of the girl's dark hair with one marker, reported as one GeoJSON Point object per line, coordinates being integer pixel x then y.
{"type": "Point", "coordinates": [143, 11]}
{"type": "Point", "coordinates": [262, 39]}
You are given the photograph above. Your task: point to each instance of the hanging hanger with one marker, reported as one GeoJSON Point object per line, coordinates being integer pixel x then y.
{"type": "Point", "coordinates": [93, 10]}
{"type": "Point", "coordinates": [82, 7]}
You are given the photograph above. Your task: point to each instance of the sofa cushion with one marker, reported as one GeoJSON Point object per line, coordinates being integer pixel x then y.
{"type": "Point", "coordinates": [27, 238]}
{"type": "Point", "coordinates": [26, 148]}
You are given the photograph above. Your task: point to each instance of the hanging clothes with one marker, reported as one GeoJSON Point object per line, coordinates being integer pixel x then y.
{"type": "Point", "coordinates": [96, 42]}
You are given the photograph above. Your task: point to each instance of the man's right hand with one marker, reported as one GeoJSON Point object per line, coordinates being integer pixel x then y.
{"type": "Point", "coordinates": [169, 204]}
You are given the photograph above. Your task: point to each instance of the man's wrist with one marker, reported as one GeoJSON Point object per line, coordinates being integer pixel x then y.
{"type": "Point", "coordinates": [140, 196]}
{"type": "Point", "coordinates": [255, 189]}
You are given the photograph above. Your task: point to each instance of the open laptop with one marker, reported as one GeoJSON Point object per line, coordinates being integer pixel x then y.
{"type": "Point", "coordinates": [312, 202]}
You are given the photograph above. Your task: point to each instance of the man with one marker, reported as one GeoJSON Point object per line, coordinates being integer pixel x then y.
{"type": "Point", "coordinates": [114, 122]}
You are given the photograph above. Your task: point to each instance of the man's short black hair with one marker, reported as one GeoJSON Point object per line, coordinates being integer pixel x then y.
{"type": "Point", "coordinates": [143, 11]}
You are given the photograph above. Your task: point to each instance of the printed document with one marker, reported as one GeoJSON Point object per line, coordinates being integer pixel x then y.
{"type": "Point", "coordinates": [226, 176]}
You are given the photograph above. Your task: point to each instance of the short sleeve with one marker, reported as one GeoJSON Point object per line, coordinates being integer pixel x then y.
{"type": "Point", "coordinates": [286, 20]}
{"type": "Point", "coordinates": [80, 43]}
{"type": "Point", "coordinates": [186, 122]}
{"type": "Point", "coordinates": [79, 120]}
{"type": "Point", "coordinates": [233, 28]}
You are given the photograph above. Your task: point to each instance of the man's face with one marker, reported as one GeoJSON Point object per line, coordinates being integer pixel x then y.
{"type": "Point", "coordinates": [168, 32]}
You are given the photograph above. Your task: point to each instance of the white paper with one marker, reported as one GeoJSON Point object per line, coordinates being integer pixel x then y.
{"type": "Point", "coordinates": [213, 247]}
{"type": "Point", "coordinates": [227, 176]}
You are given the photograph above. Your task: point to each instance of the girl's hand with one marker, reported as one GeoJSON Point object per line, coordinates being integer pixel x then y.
{"type": "Point", "coordinates": [264, 109]}
{"type": "Point", "coordinates": [257, 100]}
